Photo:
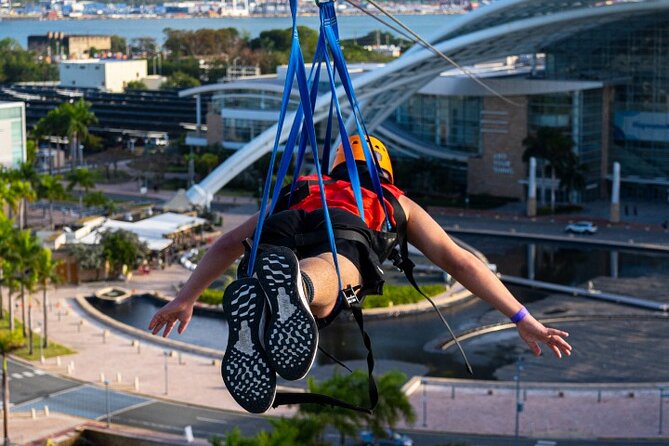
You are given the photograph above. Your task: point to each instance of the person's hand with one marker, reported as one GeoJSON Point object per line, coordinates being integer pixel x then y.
{"type": "Point", "coordinates": [534, 332]}
{"type": "Point", "coordinates": [169, 315]}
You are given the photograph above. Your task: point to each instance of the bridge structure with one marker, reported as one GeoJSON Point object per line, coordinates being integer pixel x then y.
{"type": "Point", "coordinates": [503, 28]}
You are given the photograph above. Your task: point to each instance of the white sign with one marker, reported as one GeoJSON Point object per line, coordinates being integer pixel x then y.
{"type": "Point", "coordinates": [641, 126]}
{"type": "Point", "coordinates": [502, 164]}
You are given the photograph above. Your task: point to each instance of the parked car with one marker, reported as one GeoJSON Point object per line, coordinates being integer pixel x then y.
{"type": "Point", "coordinates": [581, 227]}
{"type": "Point", "coordinates": [367, 438]}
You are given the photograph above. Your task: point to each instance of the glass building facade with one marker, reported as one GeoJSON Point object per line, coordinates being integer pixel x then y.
{"type": "Point", "coordinates": [632, 59]}
{"type": "Point", "coordinates": [12, 134]}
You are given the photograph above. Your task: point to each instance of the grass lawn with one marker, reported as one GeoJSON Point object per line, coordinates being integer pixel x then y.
{"type": "Point", "coordinates": [51, 351]}
{"type": "Point", "coordinates": [400, 294]}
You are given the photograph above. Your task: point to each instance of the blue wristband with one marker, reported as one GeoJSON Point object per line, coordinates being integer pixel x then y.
{"type": "Point", "coordinates": [520, 315]}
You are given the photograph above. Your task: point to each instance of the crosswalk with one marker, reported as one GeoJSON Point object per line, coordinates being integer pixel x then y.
{"type": "Point", "coordinates": [27, 374]}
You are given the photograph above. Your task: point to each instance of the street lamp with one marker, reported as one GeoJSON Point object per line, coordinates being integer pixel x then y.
{"type": "Point", "coordinates": [166, 354]}
{"type": "Point", "coordinates": [519, 403]}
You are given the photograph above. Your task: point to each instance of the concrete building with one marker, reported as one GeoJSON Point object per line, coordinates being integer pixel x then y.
{"type": "Point", "coordinates": [105, 74]}
{"type": "Point", "coordinates": [64, 46]}
{"type": "Point", "coordinates": [12, 133]}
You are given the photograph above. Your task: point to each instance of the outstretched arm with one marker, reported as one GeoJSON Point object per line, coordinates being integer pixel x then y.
{"type": "Point", "coordinates": [214, 263]}
{"type": "Point", "coordinates": [426, 235]}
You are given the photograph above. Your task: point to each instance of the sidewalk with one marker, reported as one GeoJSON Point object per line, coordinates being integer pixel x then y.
{"type": "Point", "coordinates": [105, 354]}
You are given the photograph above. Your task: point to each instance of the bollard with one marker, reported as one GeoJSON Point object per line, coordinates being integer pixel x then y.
{"type": "Point", "coordinates": [72, 366]}
{"type": "Point", "coordinates": [105, 335]}
{"type": "Point", "coordinates": [452, 392]}
{"type": "Point", "coordinates": [136, 383]}
{"type": "Point", "coordinates": [46, 411]}
{"type": "Point", "coordinates": [119, 377]}
{"type": "Point", "coordinates": [173, 353]}
{"type": "Point", "coordinates": [102, 378]}
{"type": "Point", "coordinates": [42, 360]}
{"type": "Point", "coordinates": [33, 413]}
{"type": "Point", "coordinates": [58, 361]}
{"type": "Point", "coordinates": [181, 361]}
{"type": "Point", "coordinates": [139, 348]}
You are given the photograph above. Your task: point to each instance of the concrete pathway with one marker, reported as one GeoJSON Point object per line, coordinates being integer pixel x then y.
{"type": "Point", "coordinates": [105, 354]}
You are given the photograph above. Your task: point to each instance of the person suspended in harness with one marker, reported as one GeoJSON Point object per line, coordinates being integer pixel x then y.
{"type": "Point", "coordinates": [274, 316]}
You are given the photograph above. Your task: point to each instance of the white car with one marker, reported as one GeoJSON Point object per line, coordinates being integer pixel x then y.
{"type": "Point", "coordinates": [581, 227]}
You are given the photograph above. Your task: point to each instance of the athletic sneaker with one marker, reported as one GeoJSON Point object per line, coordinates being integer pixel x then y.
{"type": "Point", "coordinates": [291, 336]}
{"type": "Point", "coordinates": [246, 371]}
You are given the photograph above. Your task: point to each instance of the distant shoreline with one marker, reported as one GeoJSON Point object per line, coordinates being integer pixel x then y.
{"type": "Point", "coordinates": [182, 16]}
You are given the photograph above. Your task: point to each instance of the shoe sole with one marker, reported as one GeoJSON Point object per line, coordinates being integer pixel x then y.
{"type": "Point", "coordinates": [245, 368]}
{"type": "Point", "coordinates": [291, 339]}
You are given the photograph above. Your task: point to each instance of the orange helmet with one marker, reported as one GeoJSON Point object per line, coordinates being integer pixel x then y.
{"type": "Point", "coordinates": [380, 152]}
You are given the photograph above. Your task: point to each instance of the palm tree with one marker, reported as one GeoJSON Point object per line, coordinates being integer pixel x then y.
{"type": "Point", "coordinates": [83, 178]}
{"type": "Point", "coordinates": [71, 119]}
{"type": "Point", "coordinates": [45, 269]}
{"type": "Point", "coordinates": [27, 248]}
{"type": "Point", "coordinates": [6, 231]}
{"type": "Point", "coordinates": [51, 188]}
{"type": "Point", "coordinates": [79, 119]}
{"type": "Point", "coordinates": [53, 124]}
{"type": "Point", "coordinates": [14, 191]}
{"type": "Point", "coordinates": [552, 146]}
{"type": "Point", "coordinates": [393, 403]}
{"type": "Point", "coordinates": [10, 341]}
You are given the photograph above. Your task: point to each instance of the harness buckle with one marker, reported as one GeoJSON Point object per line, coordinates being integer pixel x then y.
{"type": "Point", "coordinates": [397, 259]}
{"type": "Point", "coordinates": [349, 296]}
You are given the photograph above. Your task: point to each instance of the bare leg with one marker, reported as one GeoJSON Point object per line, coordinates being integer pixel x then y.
{"type": "Point", "coordinates": [323, 274]}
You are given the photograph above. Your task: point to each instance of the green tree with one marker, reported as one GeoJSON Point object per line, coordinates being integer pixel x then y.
{"type": "Point", "coordinates": [122, 248]}
{"type": "Point", "coordinates": [51, 189]}
{"type": "Point", "coordinates": [136, 85]}
{"type": "Point", "coordinates": [10, 341]}
{"type": "Point", "coordinates": [554, 151]}
{"type": "Point", "coordinates": [179, 80]}
{"type": "Point", "coordinates": [45, 270]}
{"type": "Point", "coordinates": [6, 231]}
{"type": "Point", "coordinates": [144, 46]}
{"type": "Point", "coordinates": [26, 248]}
{"type": "Point", "coordinates": [392, 407]}
{"type": "Point", "coordinates": [206, 162]}
{"type": "Point", "coordinates": [18, 65]}
{"type": "Point", "coordinates": [118, 44]}
{"type": "Point", "coordinates": [70, 119]}
{"type": "Point", "coordinates": [88, 257]}
{"type": "Point", "coordinates": [19, 194]}
{"type": "Point", "coordinates": [81, 178]}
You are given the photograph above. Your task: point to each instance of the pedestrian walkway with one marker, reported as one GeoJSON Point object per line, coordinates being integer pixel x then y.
{"type": "Point", "coordinates": [152, 371]}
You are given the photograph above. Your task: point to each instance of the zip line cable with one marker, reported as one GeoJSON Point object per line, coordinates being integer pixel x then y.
{"type": "Point", "coordinates": [425, 44]}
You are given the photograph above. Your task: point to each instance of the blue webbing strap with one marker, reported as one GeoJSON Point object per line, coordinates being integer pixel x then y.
{"type": "Point", "coordinates": [329, 28]}
{"type": "Point", "coordinates": [294, 60]}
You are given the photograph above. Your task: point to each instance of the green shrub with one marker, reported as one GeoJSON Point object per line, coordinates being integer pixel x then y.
{"type": "Point", "coordinates": [400, 294]}
{"type": "Point", "coordinates": [211, 296]}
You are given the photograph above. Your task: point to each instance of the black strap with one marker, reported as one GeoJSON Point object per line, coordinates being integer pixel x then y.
{"type": "Point", "coordinates": [402, 262]}
{"type": "Point", "coordinates": [284, 398]}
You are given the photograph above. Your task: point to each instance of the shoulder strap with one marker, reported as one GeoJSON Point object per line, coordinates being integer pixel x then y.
{"type": "Point", "coordinates": [401, 261]}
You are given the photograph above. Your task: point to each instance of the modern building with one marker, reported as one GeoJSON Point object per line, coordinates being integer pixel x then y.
{"type": "Point", "coordinates": [105, 74]}
{"type": "Point", "coordinates": [598, 71]}
{"type": "Point", "coordinates": [67, 46]}
{"type": "Point", "coordinates": [12, 133]}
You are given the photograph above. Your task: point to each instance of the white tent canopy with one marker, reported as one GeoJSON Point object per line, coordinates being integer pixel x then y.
{"type": "Point", "coordinates": [153, 230]}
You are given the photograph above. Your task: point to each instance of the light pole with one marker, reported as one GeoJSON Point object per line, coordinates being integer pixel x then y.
{"type": "Point", "coordinates": [166, 354]}
{"type": "Point", "coordinates": [519, 404]}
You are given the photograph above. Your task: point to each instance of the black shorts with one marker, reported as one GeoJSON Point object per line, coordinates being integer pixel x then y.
{"type": "Point", "coordinates": [285, 228]}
